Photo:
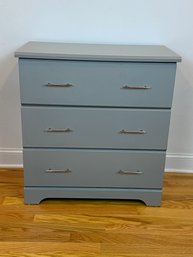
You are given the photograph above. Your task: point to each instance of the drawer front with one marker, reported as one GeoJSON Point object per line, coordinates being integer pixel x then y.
{"type": "Point", "coordinates": [94, 168]}
{"type": "Point", "coordinates": [85, 83]}
{"type": "Point", "coordinates": [95, 128]}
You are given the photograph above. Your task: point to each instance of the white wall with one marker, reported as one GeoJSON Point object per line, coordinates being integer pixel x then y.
{"type": "Point", "coordinates": [167, 22]}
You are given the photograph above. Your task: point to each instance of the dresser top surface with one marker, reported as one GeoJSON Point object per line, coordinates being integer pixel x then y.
{"type": "Point", "coordinates": [98, 52]}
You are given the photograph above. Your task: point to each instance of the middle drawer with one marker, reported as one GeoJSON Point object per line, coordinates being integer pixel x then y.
{"type": "Point", "coordinates": [95, 128]}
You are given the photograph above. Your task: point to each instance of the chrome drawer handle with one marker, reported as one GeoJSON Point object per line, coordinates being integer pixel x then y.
{"type": "Point", "coordinates": [58, 171]}
{"type": "Point", "coordinates": [59, 85]}
{"type": "Point", "coordinates": [65, 130]}
{"type": "Point", "coordinates": [136, 87]}
{"type": "Point", "coordinates": [130, 172]}
{"type": "Point", "coordinates": [123, 131]}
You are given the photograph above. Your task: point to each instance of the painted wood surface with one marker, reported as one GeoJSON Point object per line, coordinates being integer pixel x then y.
{"type": "Point", "coordinates": [95, 128]}
{"type": "Point", "coordinates": [99, 80]}
{"type": "Point", "coordinates": [89, 83]}
{"type": "Point", "coordinates": [94, 168]}
{"type": "Point", "coordinates": [107, 52]}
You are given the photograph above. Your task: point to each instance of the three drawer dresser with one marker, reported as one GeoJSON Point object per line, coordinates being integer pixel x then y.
{"type": "Point", "coordinates": [95, 120]}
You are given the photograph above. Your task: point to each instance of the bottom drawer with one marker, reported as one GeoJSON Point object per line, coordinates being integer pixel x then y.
{"type": "Point", "coordinates": [94, 168]}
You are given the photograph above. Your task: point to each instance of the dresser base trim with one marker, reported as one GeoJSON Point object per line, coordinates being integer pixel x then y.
{"type": "Point", "coordinates": [34, 195]}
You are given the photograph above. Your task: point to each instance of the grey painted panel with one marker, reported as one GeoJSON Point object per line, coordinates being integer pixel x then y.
{"type": "Point", "coordinates": [97, 83]}
{"type": "Point", "coordinates": [97, 52]}
{"type": "Point", "coordinates": [95, 127]}
{"type": "Point", "coordinates": [93, 168]}
{"type": "Point", "coordinates": [93, 75]}
{"type": "Point", "coordinates": [33, 195]}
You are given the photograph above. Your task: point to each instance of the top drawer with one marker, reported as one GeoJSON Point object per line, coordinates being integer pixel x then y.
{"type": "Point", "coordinates": [96, 83]}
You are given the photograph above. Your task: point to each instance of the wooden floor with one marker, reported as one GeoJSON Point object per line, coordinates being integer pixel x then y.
{"type": "Point", "coordinates": [87, 228]}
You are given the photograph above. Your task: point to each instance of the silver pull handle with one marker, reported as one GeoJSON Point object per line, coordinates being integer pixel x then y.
{"type": "Point", "coordinates": [130, 172]}
{"type": "Point", "coordinates": [58, 171]}
{"type": "Point", "coordinates": [135, 87]}
{"type": "Point", "coordinates": [123, 131]}
{"type": "Point", "coordinates": [65, 130]}
{"type": "Point", "coordinates": [59, 85]}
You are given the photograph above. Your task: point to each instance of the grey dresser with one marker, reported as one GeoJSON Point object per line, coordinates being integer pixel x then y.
{"type": "Point", "coordinates": [95, 120]}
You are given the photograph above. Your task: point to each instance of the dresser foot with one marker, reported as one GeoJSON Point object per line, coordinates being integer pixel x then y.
{"type": "Point", "coordinates": [32, 198]}
{"type": "Point", "coordinates": [153, 201]}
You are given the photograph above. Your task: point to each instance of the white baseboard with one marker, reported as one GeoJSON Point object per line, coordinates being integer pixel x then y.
{"type": "Point", "coordinates": [179, 163]}
{"type": "Point", "coordinates": [13, 158]}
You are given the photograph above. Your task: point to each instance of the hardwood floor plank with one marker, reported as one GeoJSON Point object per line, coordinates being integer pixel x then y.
{"type": "Point", "coordinates": [123, 238]}
{"type": "Point", "coordinates": [53, 249]}
{"type": "Point", "coordinates": [149, 250]}
{"type": "Point", "coordinates": [31, 233]}
{"type": "Point", "coordinates": [12, 200]}
{"type": "Point", "coordinates": [78, 221]}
